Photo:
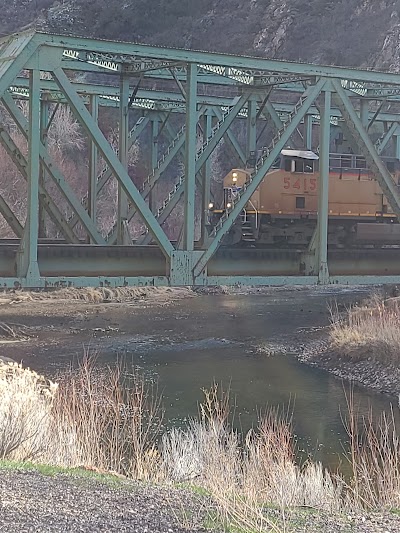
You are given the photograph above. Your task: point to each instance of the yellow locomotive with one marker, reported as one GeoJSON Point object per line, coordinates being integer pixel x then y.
{"type": "Point", "coordinates": [283, 210]}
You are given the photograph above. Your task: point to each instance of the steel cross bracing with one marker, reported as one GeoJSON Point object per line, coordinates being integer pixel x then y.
{"type": "Point", "coordinates": [187, 102]}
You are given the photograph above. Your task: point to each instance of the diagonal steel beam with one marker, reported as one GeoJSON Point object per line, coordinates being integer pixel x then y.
{"type": "Point", "coordinates": [177, 145]}
{"type": "Point", "coordinates": [107, 173]}
{"type": "Point", "coordinates": [13, 57]}
{"type": "Point", "coordinates": [367, 148]}
{"type": "Point", "coordinates": [231, 139]}
{"type": "Point", "coordinates": [10, 218]}
{"type": "Point", "coordinates": [54, 173]}
{"type": "Point", "coordinates": [262, 167]}
{"type": "Point", "coordinates": [271, 111]}
{"type": "Point", "coordinates": [51, 208]}
{"type": "Point", "coordinates": [203, 154]}
{"type": "Point", "coordinates": [381, 143]}
{"type": "Point", "coordinates": [112, 160]}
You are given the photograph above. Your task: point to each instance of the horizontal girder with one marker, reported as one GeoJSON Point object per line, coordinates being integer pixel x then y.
{"type": "Point", "coordinates": [241, 67]}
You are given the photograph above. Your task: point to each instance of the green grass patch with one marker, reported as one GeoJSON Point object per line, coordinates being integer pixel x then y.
{"type": "Point", "coordinates": [73, 473]}
{"type": "Point", "coordinates": [196, 489]}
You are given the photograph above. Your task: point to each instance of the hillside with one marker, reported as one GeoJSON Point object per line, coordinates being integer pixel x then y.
{"type": "Point", "coordinates": [346, 32]}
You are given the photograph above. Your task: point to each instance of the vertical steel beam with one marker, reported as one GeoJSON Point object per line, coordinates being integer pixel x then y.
{"type": "Point", "coordinates": [123, 207]}
{"type": "Point", "coordinates": [308, 127]}
{"type": "Point", "coordinates": [206, 179]}
{"type": "Point", "coordinates": [190, 158]}
{"type": "Point", "coordinates": [397, 146]}
{"type": "Point", "coordinates": [44, 124]}
{"type": "Point", "coordinates": [251, 130]}
{"type": "Point", "coordinates": [155, 127]}
{"type": "Point", "coordinates": [323, 189]}
{"type": "Point", "coordinates": [93, 163]}
{"type": "Point", "coordinates": [364, 112]}
{"type": "Point", "coordinates": [28, 260]}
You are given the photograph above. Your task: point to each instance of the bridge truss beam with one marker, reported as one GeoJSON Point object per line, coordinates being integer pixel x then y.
{"type": "Point", "coordinates": [187, 103]}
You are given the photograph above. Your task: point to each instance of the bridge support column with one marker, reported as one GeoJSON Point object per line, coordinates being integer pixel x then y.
{"type": "Point", "coordinates": [93, 166]}
{"type": "Point", "coordinates": [27, 266]}
{"type": "Point", "coordinates": [44, 125]}
{"type": "Point", "coordinates": [190, 158]}
{"type": "Point", "coordinates": [251, 132]}
{"type": "Point", "coordinates": [308, 126]}
{"type": "Point", "coordinates": [155, 127]}
{"type": "Point", "coordinates": [123, 236]}
{"type": "Point", "coordinates": [206, 179]}
{"type": "Point", "coordinates": [181, 268]}
{"type": "Point", "coordinates": [397, 144]}
{"type": "Point", "coordinates": [323, 189]}
{"type": "Point", "coordinates": [364, 112]}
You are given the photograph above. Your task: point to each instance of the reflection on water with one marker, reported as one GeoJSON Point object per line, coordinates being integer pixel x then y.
{"type": "Point", "coordinates": [212, 339]}
{"type": "Point", "coordinates": [194, 343]}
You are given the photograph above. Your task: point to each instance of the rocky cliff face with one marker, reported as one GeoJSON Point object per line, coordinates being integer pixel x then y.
{"type": "Point", "coordinates": [346, 32]}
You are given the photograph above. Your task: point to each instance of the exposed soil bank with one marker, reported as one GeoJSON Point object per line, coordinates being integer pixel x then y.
{"type": "Point", "coordinates": [368, 373]}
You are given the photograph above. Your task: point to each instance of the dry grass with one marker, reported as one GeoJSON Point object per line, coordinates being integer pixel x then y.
{"type": "Point", "coordinates": [98, 294]}
{"type": "Point", "coordinates": [371, 330]}
{"type": "Point", "coordinates": [26, 400]}
{"type": "Point", "coordinates": [245, 477]}
{"type": "Point", "coordinates": [90, 419]}
{"type": "Point", "coordinates": [374, 457]}
{"type": "Point", "coordinates": [109, 423]}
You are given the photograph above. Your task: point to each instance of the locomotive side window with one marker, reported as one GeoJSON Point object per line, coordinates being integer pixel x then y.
{"type": "Point", "coordinates": [300, 202]}
{"type": "Point", "coordinates": [288, 164]}
{"type": "Point", "coordinates": [304, 166]}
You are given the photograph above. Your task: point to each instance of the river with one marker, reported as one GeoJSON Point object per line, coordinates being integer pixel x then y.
{"type": "Point", "coordinates": [243, 342]}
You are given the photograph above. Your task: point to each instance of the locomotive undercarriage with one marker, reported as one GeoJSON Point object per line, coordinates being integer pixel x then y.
{"type": "Point", "coordinates": [265, 231]}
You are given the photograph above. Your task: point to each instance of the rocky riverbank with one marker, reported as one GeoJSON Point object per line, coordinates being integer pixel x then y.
{"type": "Point", "coordinates": [68, 502]}
{"type": "Point", "coordinates": [383, 378]}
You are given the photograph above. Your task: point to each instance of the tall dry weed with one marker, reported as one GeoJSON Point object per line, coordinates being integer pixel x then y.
{"type": "Point", "coordinates": [116, 420]}
{"type": "Point", "coordinates": [374, 457]}
{"type": "Point", "coordinates": [26, 401]}
{"type": "Point", "coordinates": [245, 475]}
{"type": "Point", "coordinates": [371, 330]}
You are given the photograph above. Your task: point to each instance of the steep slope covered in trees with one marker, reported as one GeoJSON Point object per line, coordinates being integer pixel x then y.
{"type": "Point", "coordinates": [347, 32]}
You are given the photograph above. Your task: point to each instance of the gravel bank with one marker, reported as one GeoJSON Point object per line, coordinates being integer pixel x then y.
{"type": "Point", "coordinates": [33, 502]}
{"type": "Point", "coordinates": [36, 503]}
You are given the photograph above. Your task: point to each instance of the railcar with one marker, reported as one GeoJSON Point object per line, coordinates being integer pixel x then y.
{"type": "Point", "coordinates": [283, 210]}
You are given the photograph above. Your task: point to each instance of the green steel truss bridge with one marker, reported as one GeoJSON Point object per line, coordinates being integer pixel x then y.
{"type": "Point", "coordinates": [206, 94]}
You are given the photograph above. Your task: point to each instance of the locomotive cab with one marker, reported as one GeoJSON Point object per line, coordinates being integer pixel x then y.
{"type": "Point", "coordinates": [291, 164]}
{"type": "Point", "coordinates": [299, 161]}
